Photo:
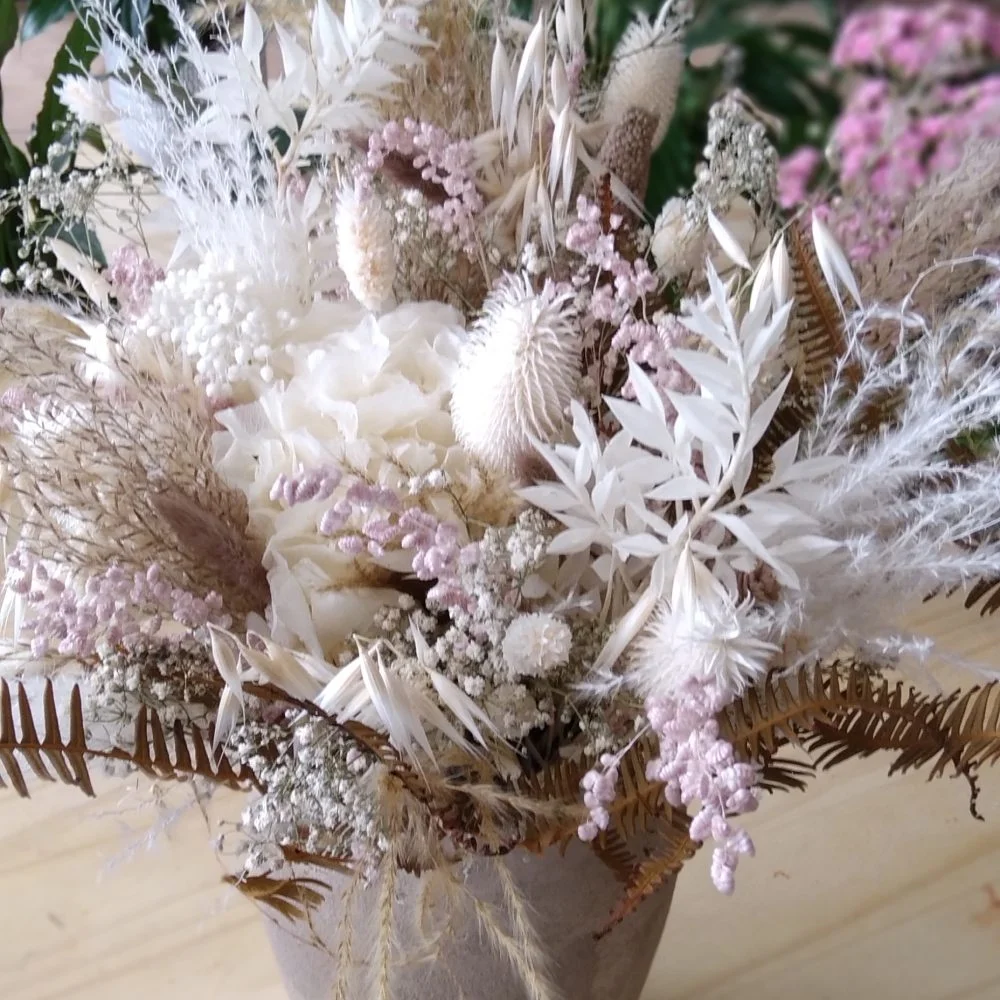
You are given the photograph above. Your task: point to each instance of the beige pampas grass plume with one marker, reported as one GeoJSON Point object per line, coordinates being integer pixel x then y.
{"type": "Point", "coordinates": [517, 375]}
{"type": "Point", "coordinates": [646, 67]}
{"type": "Point", "coordinates": [365, 249]}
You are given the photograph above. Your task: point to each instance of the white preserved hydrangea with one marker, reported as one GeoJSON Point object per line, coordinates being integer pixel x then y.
{"type": "Point", "coordinates": [536, 644]}
{"type": "Point", "coordinates": [518, 375]}
{"type": "Point", "coordinates": [372, 398]}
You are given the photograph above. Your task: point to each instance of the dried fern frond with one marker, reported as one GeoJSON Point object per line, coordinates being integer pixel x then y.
{"type": "Point", "coordinates": [66, 757]}
{"type": "Point", "coordinates": [185, 754]}
{"type": "Point", "coordinates": [816, 329]}
{"type": "Point", "coordinates": [841, 710]}
{"type": "Point", "coordinates": [984, 595]}
{"type": "Point", "coordinates": [293, 898]}
{"type": "Point", "coordinates": [676, 849]}
{"type": "Point", "coordinates": [616, 856]}
{"type": "Point", "coordinates": [815, 348]}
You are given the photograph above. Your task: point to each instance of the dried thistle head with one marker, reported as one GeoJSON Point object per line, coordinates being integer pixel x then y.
{"type": "Point", "coordinates": [646, 68]}
{"type": "Point", "coordinates": [628, 150]}
{"type": "Point", "coordinates": [518, 374]}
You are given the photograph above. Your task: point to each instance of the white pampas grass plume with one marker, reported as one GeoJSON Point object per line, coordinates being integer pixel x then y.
{"type": "Point", "coordinates": [646, 67]}
{"type": "Point", "coordinates": [536, 644]}
{"type": "Point", "coordinates": [85, 99]}
{"type": "Point", "coordinates": [365, 250]}
{"type": "Point", "coordinates": [517, 375]}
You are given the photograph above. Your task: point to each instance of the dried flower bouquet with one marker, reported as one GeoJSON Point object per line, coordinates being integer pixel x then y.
{"type": "Point", "coordinates": [393, 469]}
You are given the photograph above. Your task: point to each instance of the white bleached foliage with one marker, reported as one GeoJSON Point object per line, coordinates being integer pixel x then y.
{"type": "Point", "coordinates": [615, 499]}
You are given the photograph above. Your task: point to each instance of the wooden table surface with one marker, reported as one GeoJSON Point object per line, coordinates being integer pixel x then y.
{"type": "Point", "coordinates": [863, 887]}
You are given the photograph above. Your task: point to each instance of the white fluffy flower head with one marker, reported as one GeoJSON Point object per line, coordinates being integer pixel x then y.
{"type": "Point", "coordinates": [518, 374]}
{"type": "Point", "coordinates": [536, 644]}
{"type": "Point", "coordinates": [85, 99]}
{"type": "Point", "coordinates": [365, 249]}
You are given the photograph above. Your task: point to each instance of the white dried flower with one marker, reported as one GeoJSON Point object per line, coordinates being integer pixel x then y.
{"type": "Point", "coordinates": [536, 644]}
{"type": "Point", "coordinates": [85, 99]}
{"type": "Point", "coordinates": [677, 243]}
{"type": "Point", "coordinates": [517, 375]}
{"type": "Point", "coordinates": [365, 250]}
{"type": "Point", "coordinates": [711, 639]}
{"type": "Point", "coordinates": [646, 67]}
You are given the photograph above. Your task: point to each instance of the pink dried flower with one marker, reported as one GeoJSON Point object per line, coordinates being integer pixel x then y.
{"type": "Point", "coordinates": [697, 765]}
{"type": "Point", "coordinates": [132, 276]}
{"type": "Point", "coordinates": [445, 166]}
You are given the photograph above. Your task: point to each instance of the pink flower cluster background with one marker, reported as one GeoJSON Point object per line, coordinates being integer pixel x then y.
{"type": "Point", "coordinates": [923, 89]}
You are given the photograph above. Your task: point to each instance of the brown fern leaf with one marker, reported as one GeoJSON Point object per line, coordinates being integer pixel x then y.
{"type": "Point", "coordinates": [783, 774]}
{"type": "Point", "coordinates": [636, 808]}
{"type": "Point", "coordinates": [796, 412]}
{"type": "Point", "coordinates": [558, 781]}
{"type": "Point", "coordinates": [293, 898]}
{"type": "Point", "coordinates": [639, 801]}
{"type": "Point", "coordinates": [67, 758]}
{"type": "Point", "coordinates": [677, 848]}
{"type": "Point", "coordinates": [774, 713]}
{"type": "Point", "coordinates": [842, 710]}
{"type": "Point", "coordinates": [984, 594]}
{"type": "Point", "coordinates": [151, 754]}
{"type": "Point", "coordinates": [297, 856]}
{"type": "Point", "coordinates": [615, 854]}
{"type": "Point", "coordinates": [817, 325]}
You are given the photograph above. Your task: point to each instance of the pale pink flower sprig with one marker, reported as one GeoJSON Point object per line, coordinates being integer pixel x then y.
{"type": "Point", "coordinates": [599, 791]}
{"type": "Point", "coordinates": [910, 41]}
{"type": "Point", "coordinates": [650, 345]}
{"type": "Point", "coordinates": [132, 276]}
{"type": "Point", "coordinates": [610, 290]}
{"type": "Point", "coordinates": [442, 161]}
{"type": "Point", "coordinates": [306, 485]}
{"type": "Point", "coordinates": [697, 766]}
{"type": "Point", "coordinates": [109, 608]}
{"type": "Point", "coordinates": [370, 519]}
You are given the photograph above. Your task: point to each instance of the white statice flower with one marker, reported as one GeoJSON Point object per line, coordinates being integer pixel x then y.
{"type": "Point", "coordinates": [85, 99]}
{"type": "Point", "coordinates": [365, 247]}
{"type": "Point", "coordinates": [518, 374]}
{"type": "Point", "coordinates": [536, 644]}
{"type": "Point", "coordinates": [646, 67]}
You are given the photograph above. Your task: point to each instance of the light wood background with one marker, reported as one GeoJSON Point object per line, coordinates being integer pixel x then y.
{"type": "Point", "coordinates": [863, 887]}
